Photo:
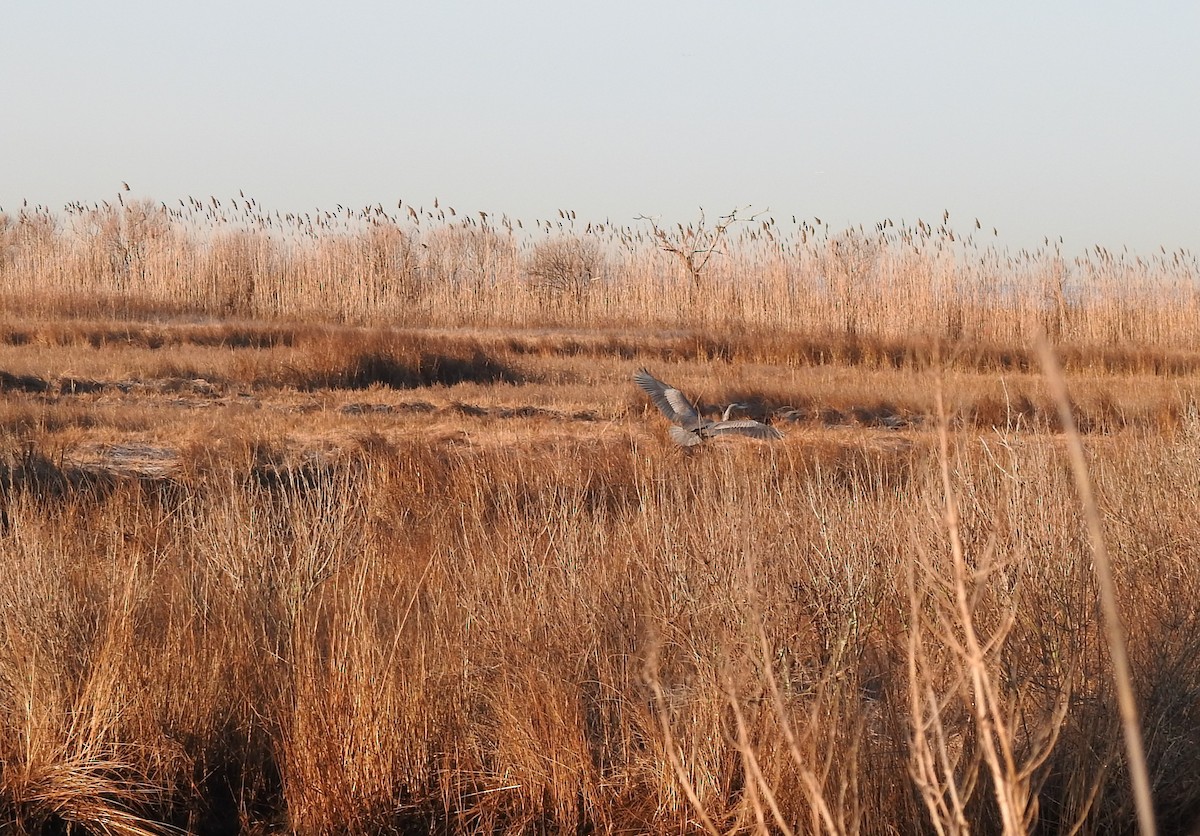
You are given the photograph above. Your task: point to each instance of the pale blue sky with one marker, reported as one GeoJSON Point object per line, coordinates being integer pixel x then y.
{"type": "Point", "coordinates": [1040, 118]}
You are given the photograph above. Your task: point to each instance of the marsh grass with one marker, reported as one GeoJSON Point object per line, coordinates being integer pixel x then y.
{"type": "Point", "coordinates": [515, 638]}
{"type": "Point", "coordinates": [269, 565]}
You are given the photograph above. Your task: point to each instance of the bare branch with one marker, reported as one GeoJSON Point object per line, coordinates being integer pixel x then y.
{"type": "Point", "coordinates": [696, 244]}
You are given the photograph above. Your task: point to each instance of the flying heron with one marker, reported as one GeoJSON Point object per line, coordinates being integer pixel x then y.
{"type": "Point", "coordinates": [691, 427]}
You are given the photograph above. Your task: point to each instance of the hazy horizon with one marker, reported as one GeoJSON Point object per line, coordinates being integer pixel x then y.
{"type": "Point", "coordinates": [1074, 121]}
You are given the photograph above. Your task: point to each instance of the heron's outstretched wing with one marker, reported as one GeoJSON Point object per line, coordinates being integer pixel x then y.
{"type": "Point", "coordinates": [744, 426]}
{"type": "Point", "coordinates": [670, 401]}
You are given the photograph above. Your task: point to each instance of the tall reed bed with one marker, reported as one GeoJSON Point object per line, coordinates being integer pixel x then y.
{"type": "Point", "coordinates": [438, 267]}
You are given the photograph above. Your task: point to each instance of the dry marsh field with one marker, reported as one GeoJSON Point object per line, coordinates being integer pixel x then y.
{"type": "Point", "coordinates": [355, 522]}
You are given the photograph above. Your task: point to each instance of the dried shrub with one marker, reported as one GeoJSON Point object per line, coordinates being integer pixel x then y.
{"type": "Point", "coordinates": [564, 269]}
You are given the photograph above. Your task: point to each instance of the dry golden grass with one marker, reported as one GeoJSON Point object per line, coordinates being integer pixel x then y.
{"type": "Point", "coordinates": [289, 572]}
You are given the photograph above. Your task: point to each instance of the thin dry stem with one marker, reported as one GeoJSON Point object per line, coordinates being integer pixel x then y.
{"type": "Point", "coordinates": [1102, 564]}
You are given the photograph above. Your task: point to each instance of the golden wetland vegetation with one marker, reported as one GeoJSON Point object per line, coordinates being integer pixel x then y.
{"type": "Point", "coordinates": [355, 522]}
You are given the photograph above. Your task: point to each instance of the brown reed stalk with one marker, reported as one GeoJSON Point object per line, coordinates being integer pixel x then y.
{"type": "Point", "coordinates": [1102, 564]}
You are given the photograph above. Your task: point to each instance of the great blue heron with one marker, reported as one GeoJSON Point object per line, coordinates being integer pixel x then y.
{"type": "Point", "coordinates": [691, 427]}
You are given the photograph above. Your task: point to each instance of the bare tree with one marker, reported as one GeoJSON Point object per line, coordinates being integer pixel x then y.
{"type": "Point", "coordinates": [696, 244]}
